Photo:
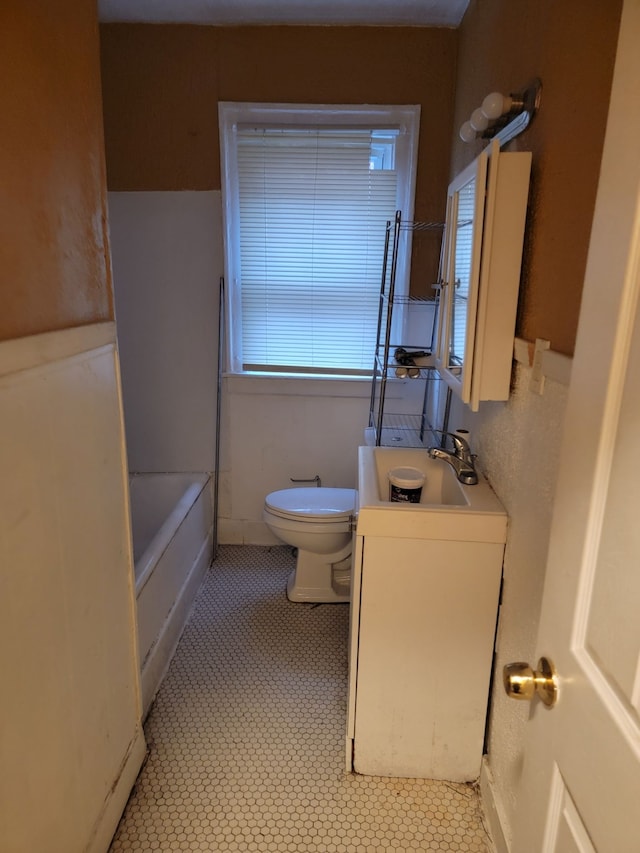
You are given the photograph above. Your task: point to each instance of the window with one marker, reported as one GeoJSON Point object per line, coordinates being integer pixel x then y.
{"type": "Point", "coordinates": [308, 191]}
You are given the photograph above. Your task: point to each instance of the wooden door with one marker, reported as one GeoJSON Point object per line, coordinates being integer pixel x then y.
{"type": "Point", "coordinates": [581, 778]}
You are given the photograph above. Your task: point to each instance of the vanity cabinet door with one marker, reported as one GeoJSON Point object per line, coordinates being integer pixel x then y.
{"type": "Point", "coordinates": [426, 629]}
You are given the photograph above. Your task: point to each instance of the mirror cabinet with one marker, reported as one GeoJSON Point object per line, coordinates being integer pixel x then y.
{"type": "Point", "coordinates": [480, 274]}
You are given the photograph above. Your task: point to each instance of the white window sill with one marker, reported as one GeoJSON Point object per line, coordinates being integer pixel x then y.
{"type": "Point", "coordinates": [307, 386]}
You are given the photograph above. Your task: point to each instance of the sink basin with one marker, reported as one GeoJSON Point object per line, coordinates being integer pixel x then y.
{"type": "Point", "coordinates": [447, 510]}
{"type": "Point", "coordinates": [441, 486]}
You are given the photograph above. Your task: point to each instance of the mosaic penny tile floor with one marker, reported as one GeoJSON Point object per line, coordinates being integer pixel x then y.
{"type": "Point", "coordinates": [246, 736]}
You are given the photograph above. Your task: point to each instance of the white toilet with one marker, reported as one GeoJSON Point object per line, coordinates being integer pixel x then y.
{"type": "Point", "coordinates": [316, 521]}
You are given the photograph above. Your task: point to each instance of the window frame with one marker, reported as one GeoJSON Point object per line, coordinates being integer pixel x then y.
{"type": "Point", "coordinates": [231, 114]}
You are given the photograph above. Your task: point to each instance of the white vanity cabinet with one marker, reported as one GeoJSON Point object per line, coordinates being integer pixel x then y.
{"type": "Point", "coordinates": [425, 594]}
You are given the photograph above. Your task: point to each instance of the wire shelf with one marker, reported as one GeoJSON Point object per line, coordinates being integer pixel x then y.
{"type": "Point", "coordinates": [412, 300]}
{"type": "Point", "coordinates": [408, 225]}
{"type": "Point", "coordinates": [405, 430]}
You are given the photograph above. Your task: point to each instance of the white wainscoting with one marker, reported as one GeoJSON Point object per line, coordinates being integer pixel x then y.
{"type": "Point", "coordinates": [70, 695]}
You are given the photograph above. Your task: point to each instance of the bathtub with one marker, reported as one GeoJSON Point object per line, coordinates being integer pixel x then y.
{"type": "Point", "coordinates": [171, 521]}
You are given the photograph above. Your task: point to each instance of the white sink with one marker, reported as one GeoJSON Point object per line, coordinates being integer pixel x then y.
{"type": "Point", "coordinates": [441, 487]}
{"type": "Point", "coordinates": [447, 510]}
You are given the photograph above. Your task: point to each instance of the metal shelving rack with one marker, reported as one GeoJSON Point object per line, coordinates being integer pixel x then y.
{"type": "Point", "coordinates": [404, 429]}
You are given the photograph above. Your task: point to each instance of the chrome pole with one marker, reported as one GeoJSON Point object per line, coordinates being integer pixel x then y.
{"type": "Point", "coordinates": [216, 488]}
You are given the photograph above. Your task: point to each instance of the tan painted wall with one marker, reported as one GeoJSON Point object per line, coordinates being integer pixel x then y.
{"type": "Point", "coordinates": [162, 85]}
{"type": "Point", "coordinates": [571, 47]}
{"type": "Point", "coordinates": [52, 185]}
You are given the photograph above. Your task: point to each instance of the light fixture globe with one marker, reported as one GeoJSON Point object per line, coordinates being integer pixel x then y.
{"type": "Point", "coordinates": [467, 133]}
{"type": "Point", "coordinates": [495, 105]}
{"type": "Point", "coordinates": [478, 120]}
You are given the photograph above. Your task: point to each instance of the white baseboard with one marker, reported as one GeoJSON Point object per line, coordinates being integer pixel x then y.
{"type": "Point", "coordinates": [244, 532]}
{"type": "Point", "coordinates": [492, 809]}
{"type": "Point", "coordinates": [230, 532]}
{"type": "Point", "coordinates": [115, 803]}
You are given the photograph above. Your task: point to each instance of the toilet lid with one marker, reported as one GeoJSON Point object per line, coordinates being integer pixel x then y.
{"type": "Point", "coordinates": [317, 504]}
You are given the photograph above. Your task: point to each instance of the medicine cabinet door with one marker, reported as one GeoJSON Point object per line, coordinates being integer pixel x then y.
{"type": "Point", "coordinates": [459, 294]}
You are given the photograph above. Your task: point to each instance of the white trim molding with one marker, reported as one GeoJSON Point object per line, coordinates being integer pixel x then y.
{"type": "Point", "coordinates": [551, 364]}
{"type": "Point", "coordinates": [37, 350]}
{"type": "Point", "coordinates": [491, 808]}
{"type": "Point", "coordinates": [235, 118]}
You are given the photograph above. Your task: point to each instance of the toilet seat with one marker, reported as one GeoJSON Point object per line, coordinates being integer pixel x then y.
{"type": "Point", "coordinates": [312, 504]}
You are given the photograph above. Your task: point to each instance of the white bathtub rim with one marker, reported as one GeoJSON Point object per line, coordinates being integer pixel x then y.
{"type": "Point", "coordinates": [160, 542]}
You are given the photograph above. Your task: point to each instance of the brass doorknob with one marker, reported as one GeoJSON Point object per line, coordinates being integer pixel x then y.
{"type": "Point", "coordinates": [522, 682]}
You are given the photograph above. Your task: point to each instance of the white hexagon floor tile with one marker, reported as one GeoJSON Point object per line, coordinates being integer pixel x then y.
{"type": "Point", "coordinates": [246, 736]}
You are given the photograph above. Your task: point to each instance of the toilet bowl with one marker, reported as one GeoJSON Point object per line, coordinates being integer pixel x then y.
{"type": "Point", "coordinates": [318, 523]}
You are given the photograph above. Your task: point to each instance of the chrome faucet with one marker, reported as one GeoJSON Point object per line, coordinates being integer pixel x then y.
{"type": "Point", "coordinates": [461, 459]}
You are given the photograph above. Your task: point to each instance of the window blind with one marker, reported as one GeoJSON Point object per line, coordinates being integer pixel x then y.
{"type": "Point", "coordinates": [312, 218]}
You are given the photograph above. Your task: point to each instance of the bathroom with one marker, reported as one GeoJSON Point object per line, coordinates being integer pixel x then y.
{"type": "Point", "coordinates": [161, 143]}
{"type": "Point", "coordinates": [310, 427]}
